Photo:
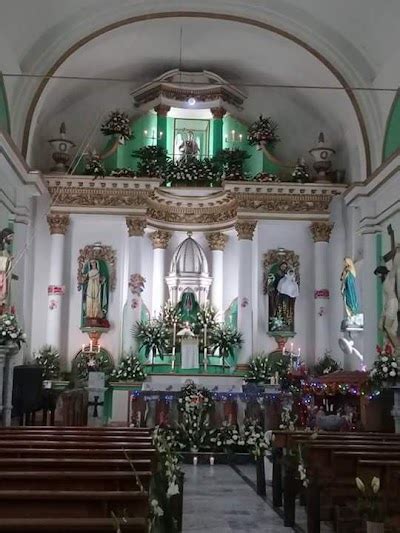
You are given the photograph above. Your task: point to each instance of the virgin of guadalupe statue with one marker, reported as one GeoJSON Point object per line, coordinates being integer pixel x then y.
{"type": "Point", "coordinates": [188, 307]}
{"type": "Point", "coordinates": [95, 293]}
{"type": "Point", "coordinates": [349, 289]}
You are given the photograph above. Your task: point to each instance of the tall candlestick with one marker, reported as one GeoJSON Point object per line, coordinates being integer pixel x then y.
{"type": "Point", "coordinates": [91, 346]}
{"type": "Point", "coordinates": [291, 347]}
{"type": "Point", "coordinates": [83, 347]}
{"type": "Point", "coordinates": [174, 336]}
{"type": "Point", "coordinates": [283, 349]}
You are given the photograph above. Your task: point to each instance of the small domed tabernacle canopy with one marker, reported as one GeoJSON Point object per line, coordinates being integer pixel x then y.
{"type": "Point", "coordinates": [189, 259]}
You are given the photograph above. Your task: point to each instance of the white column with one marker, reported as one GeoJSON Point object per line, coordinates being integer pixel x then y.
{"type": "Point", "coordinates": [58, 225]}
{"type": "Point", "coordinates": [321, 232]}
{"type": "Point", "coordinates": [160, 241]}
{"type": "Point", "coordinates": [217, 243]}
{"type": "Point", "coordinates": [369, 296]}
{"type": "Point", "coordinates": [136, 226]}
{"type": "Point", "coordinates": [245, 231]}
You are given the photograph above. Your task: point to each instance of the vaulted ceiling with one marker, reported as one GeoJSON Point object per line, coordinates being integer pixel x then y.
{"type": "Point", "coordinates": [288, 42]}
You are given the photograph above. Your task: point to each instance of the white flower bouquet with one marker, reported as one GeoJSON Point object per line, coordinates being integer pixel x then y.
{"type": "Point", "coordinates": [10, 332]}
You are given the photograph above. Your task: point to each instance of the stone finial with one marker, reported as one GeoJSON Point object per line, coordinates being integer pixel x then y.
{"type": "Point", "coordinates": [160, 239]}
{"type": "Point", "coordinates": [218, 112]}
{"type": "Point", "coordinates": [217, 241]}
{"type": "Point", "coordinates": [321, 231]}
{"type": "Point", "coordinates": [58, 223]}
{"type": "Point", "coordinates": [136, 226]}
{"type": "Point", "coordinates": [162, 110]}
{"type": "Point", "coordinates": [245, 229]}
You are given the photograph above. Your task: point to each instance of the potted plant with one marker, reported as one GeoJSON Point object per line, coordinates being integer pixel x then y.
{"type": "Point", "coordinates": [370, 504]}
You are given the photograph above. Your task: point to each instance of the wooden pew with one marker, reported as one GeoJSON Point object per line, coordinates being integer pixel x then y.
{"type": "Point", "coordinates": [70, 525]}
{"type": "Point", "coordinates": [72, 504]}
{"type": "Point", "coordinates": [33, 464]}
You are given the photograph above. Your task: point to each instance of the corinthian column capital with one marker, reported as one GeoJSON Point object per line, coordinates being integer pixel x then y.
{"type": "Point", "coordinates": [321, 231]}
{"type": "Point", "coordinates": [136, 226]}
{"type": "Point", "coordinates": [217, 241]}
{"type": "Point", "coordinates": [245, 229]}
{"type": "Point", "coordinates": [160, 239]}
{"type": "Point", "coordinates": [58, 223]}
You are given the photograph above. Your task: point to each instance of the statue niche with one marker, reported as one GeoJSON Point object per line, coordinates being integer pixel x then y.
{"type": "Point", "coordinates": [96, 278]}
{"type": "Point", "coordinates": [281, 285]}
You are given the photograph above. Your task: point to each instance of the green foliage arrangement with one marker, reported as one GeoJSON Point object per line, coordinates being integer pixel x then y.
{"type": "Point", "coordinates": [153, 337]}
{"type": "Point", "coordinates": [225, 340]}
{"type": "Point", "coordinates": [10, 332]}
{"type": "Point", "coordinates": [263, 130]}
{"type": "Point", "coordinates": [94, 166]}
{"type": "Point", "coordinates": [152, 161]}
{"type": "Point", "coordinates": [326, 365]}
{"type": "Point", "coordinates": [259, 369]}
{"type": "Point", "coordinates": [117, 123]}
{"type": "Point", "coordinates": [129, 369]}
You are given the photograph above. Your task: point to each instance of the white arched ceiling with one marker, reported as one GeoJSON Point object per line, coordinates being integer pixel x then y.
{"type": "Point", "coordinates": [356, 37]}
{"type": "Point", "coordinates": [239, 52]}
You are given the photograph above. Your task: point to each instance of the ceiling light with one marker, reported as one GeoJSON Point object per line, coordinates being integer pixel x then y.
{"type": "Point", "coordinates": [191, 100]}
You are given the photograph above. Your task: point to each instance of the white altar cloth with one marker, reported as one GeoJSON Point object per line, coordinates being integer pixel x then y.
{"type": "Point", "coordinates": [190, 352]}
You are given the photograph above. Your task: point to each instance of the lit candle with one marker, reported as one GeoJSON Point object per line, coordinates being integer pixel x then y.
{"type": "Point", "coordinates": [283, 349]}
{"type": "Point", "coordinates": [240, 137]}
{"type": "Point", "coordinates": [212, 460]}
{"type": "Point", "coordinates": [98, 348]}
{"type": "Point", "coordinates": [153, 133]}
{"type": "Point", "coordinates": [161, 134]}
{"type": "Point", "coordinates": [145, 133]}
{"type": "Point", "coordinates": [91, 346]}
{"type": "Point", "coordinates": [195, 460]}
{"type": "Point", "coordinates": [291, 347]}
{"type": "Point", "coordinates": [233, 135]}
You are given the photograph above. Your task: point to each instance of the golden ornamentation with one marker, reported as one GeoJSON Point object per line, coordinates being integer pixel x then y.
{"type": "Point", "coordinates": [217, 241]}
{"type": "Point", "coordinates": [284, 203]}
{"type": "Point", "coordinates": [162, 110]}
{"type": "Point", "coordinates": [58, 223]}
{"type": "Point", "coordinates": [245, 229]}
{"type": "Point", "coordinates": [160, 239]}
{"type": "Point", "coordinates": [218, 112]}
{"type": "Point", "coordinates": [98, 251]}
{"type": "Point", "coordinates": [321, 231]}
{"type": "Point", "coordinates": [74, 197]}
{"type": "Point", "coordinates": [136, 226]}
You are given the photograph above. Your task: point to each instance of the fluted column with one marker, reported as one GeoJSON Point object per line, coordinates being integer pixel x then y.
{"type": "Point", "coordinates": [136, 227]}
{"type": "Point", "coordinates": [217, 242]}
{"type": "Point", "coordinates": [321, 232]}
{"type": "Point", "coordinates": [245, 232]}
{"type": "Point", "coordinates": [58, 225]}
{"type": "Point", "coordinates": [160, 240]}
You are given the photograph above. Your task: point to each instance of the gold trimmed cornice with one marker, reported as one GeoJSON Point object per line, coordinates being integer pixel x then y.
{"type": "Point", "coordinates": [321, 231]}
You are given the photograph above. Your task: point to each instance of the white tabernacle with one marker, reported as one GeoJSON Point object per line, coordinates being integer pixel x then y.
{"type": "Point", "coordinates": [190, 352]}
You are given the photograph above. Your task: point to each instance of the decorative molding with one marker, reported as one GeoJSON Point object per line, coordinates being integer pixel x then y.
{"type": "Point", "coordinates": [321, 231]}
{"type": "Point", "coordinates": [218, 112]}
{"type": "Point", "coordinates": [162, 110]}
{"type": "Point", "coordinates": [321, 294]}
{"type": "Point", "coordinates": [217, 241]}
{"type": "Point", "coordinates": [160, 239]}
{"type": "Point", "coordinates": [58, 223]}
{"type": "Point", "coordinates": [73, 197]}
{"type": "Point", "coordinates": [136, 226]}
{"type": "Point", "coordinates": [245, 229]}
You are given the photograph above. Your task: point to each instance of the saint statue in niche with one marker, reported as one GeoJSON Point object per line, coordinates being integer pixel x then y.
{"type": "Point", "coordinates": [95, 293]}
{"type": "Point", "coordinates": [6, 238]}
{"type": "Point", "coordinates": [348, 280]}
{"type": "Point", "coordinates": [189, 147]}
{"type": "Point", "coordinates": [282, 288]}
{"type": "Point", "coordinates": [188, 307]}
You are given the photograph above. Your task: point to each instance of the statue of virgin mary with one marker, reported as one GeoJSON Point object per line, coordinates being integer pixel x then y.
{"type": "Point", "coordinates": [349, 289]}
{"type": "Point", "coordinates": [95, 293]}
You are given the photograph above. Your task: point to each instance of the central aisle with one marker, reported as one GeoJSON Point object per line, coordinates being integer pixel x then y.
{"type": "Point", "coordinates": [217, 500]}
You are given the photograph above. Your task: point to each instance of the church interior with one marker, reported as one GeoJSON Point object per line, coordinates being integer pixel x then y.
{"type": "Point", "coordinates": [199, 266]}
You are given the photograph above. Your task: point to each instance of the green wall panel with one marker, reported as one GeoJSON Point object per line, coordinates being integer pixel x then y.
{"type": "Point", "coordinates": [391, 141]}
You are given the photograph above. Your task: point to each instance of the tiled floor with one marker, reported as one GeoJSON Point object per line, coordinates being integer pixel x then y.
{"type": "Point", "coordinates": [217, 500]}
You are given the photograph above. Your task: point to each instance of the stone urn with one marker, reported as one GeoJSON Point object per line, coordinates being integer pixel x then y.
{"type": "Point", "coordinates": [322, 154]}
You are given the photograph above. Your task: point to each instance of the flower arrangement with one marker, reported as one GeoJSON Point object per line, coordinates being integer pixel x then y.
{"type": "Point", "coordinates": [278, 323]}
{"type": "Point", "coordinates": [370, 503]}
{"type": "Point", "coordinates": [194, 407]}
{"type": "Point", "coordinates": [231, 162]}
{"type": "Point", "coordinates": [259, 369]}
{"type": "Point", "coordinates": [227, 438]}
{"type": "Point", "coordinates": [10, 332]}
{"type": "Point", "coordinates": [225, 340]}
{"type": "Point", "coordinates": [136, 284]}
{"type": "Point", "coordinates": [256, 440]}
{"type": "Point", "coordinates": [385, 367]}
{"type": "Point", "coordinates": [192, 170]}
{"type": "Point", "coordinates": [123, 173]}
{"type": "Point", "coordinates": [301, 172]}
{"type": "Point", "coordinates": [326, 365]}
{"type": "Point", "coordinates": [129, 369]}
{"type": "Point", "coordinates": [302, 469]}
{"type": "Point", "coordinates": [48, 358]}
{"type": "Point", "coordinates": [171, 314]}
{"type": "Point", "coordinates": [94, 166]}
{"type": "Point", "coordinates": [88, 362]}
{"type": "Point", "coordinates": [288, 418]}
{"type": "Point", "coordinates": [267, 177]}
{"type": "Point", "coordinates": [263, 130]}
{"type": "Point", "coordinates": [153, 336]}
{"type": "Point", "coordinates": [206, 317]}
{"type": "Point", "coordinates": [152, 161]}
{"type": "Point", "coordinates": [117, 123]}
